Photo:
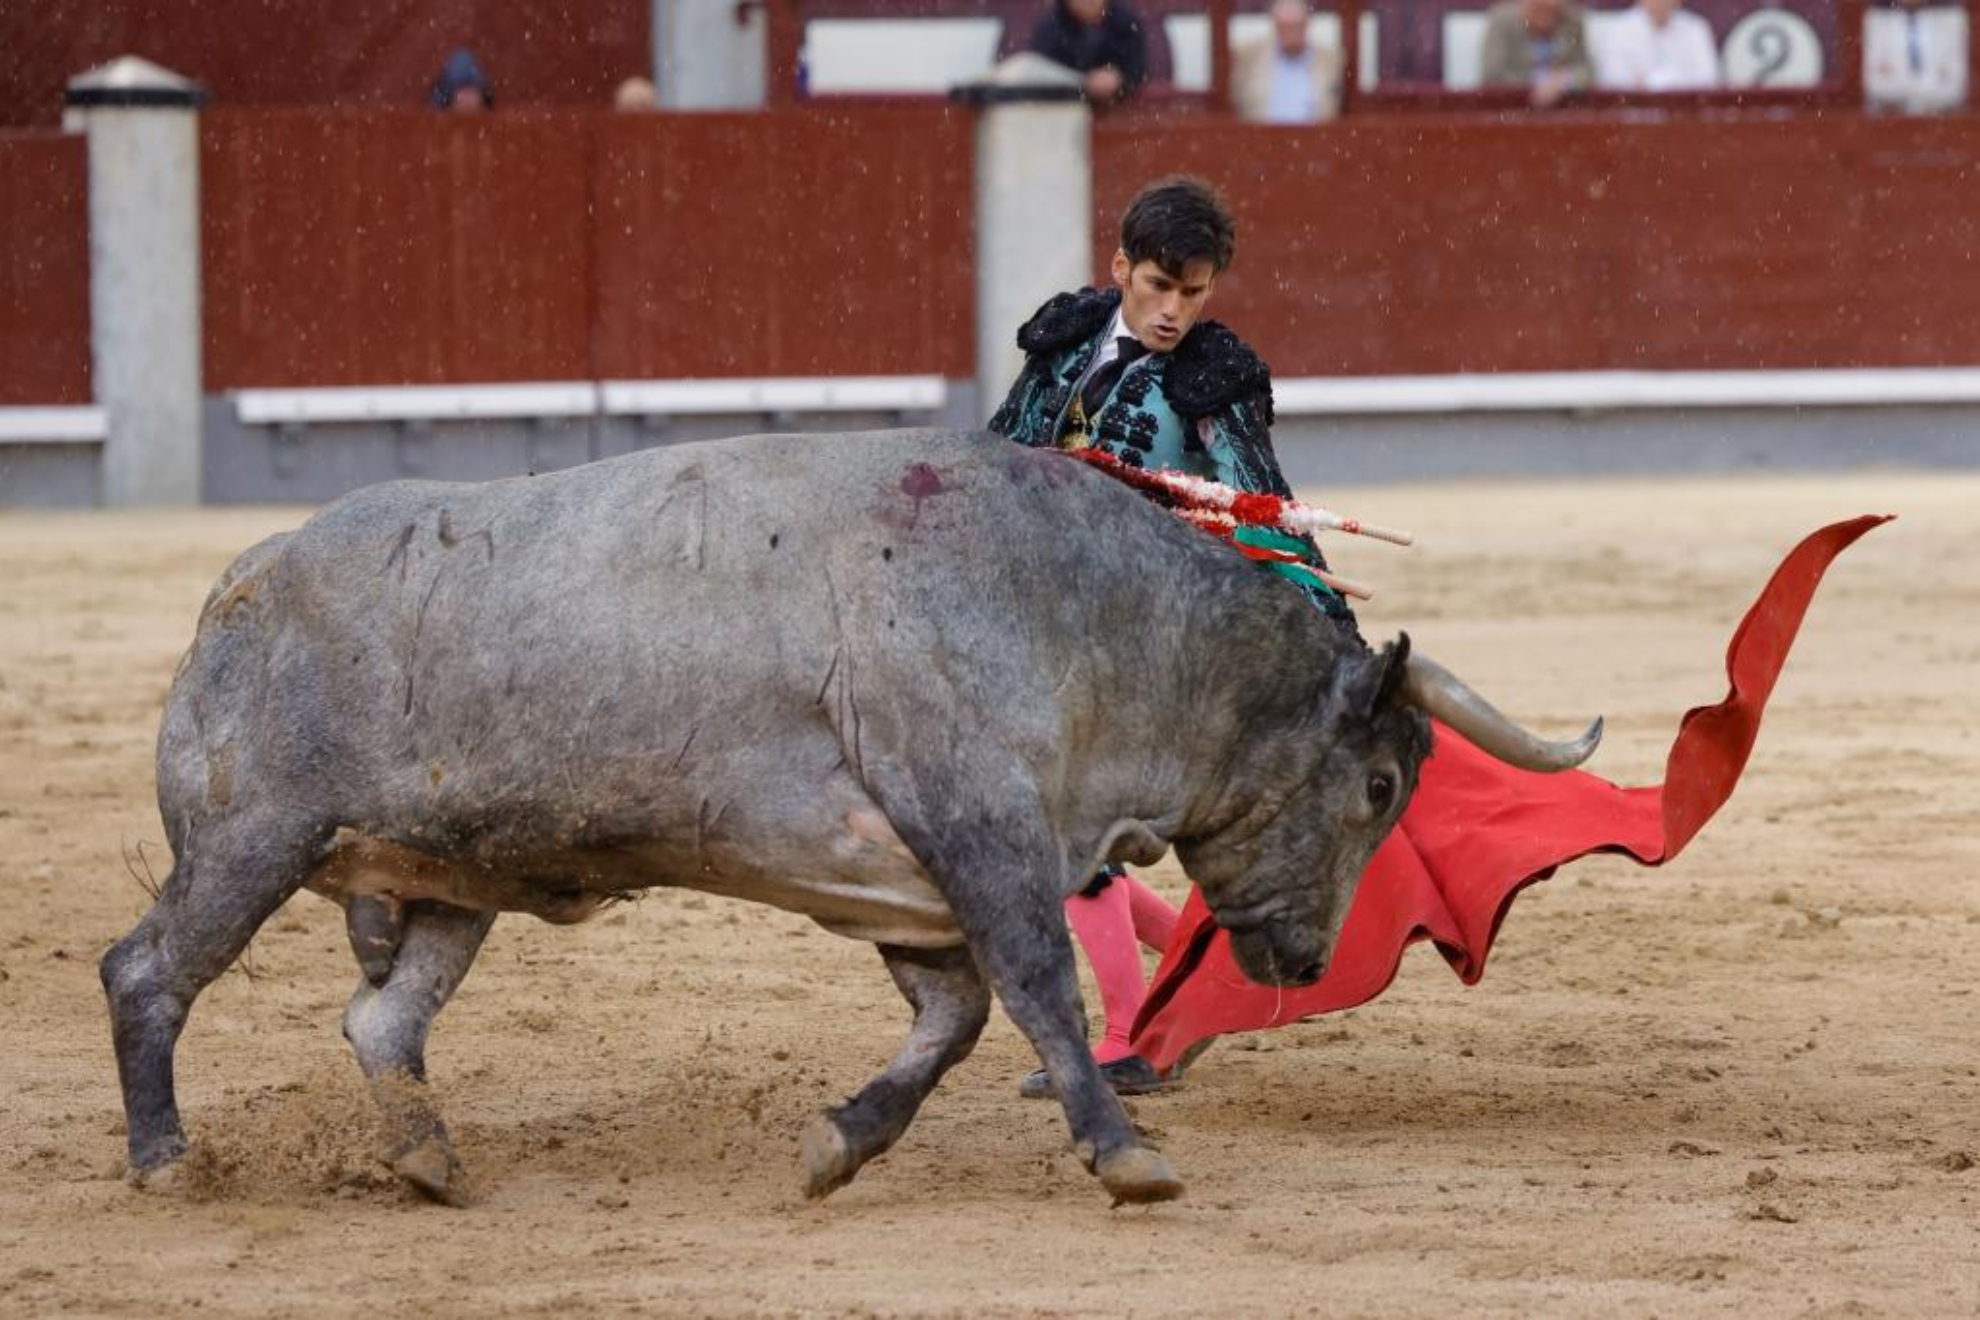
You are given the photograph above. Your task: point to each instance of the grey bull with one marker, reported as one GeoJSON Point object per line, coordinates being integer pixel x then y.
{"type": "Point", "coordinates": [915, 685]}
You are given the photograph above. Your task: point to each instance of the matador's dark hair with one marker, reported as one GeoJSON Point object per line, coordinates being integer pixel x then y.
{"type": "Point", "coordinates": [1175, 221]}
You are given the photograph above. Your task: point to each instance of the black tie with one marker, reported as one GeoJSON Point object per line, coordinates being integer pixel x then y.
{"type": "Point", "coordinates": [1127, 350]}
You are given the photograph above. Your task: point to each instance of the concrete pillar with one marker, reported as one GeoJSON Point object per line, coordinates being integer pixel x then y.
{"type": "Point", "coordinates": [709, 54]}
{"type": "Point", "coordinates": [143, 127]}
{"type": "Point", "coordinates": [1034, 205]}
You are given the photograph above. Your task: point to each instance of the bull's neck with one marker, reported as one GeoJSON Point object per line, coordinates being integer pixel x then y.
{"type": "Point", "coordinates": [1226, 706]}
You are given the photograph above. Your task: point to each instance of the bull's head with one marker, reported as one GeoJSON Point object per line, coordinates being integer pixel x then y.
{"type": "Point", "coordinates": [1280, 877]}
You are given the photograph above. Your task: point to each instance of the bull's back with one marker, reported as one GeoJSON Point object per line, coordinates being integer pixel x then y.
{"type": "Point", "coordinates": [733, 557]}
{"type": "Point", "coordinates": [702, 608]}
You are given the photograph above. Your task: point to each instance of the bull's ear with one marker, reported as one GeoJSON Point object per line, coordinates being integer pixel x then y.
{"type": "Point", "coordinates": [1395, 668]}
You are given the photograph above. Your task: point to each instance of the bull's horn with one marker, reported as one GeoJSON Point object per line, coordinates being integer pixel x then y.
{"type": "Point", "coordinates": [1439, 693]}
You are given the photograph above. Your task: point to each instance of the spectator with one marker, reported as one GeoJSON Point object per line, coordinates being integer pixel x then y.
{"type": "Point", "coordinates": [1541, 45]}
{"type": "Point", "coordinates": [1654, 46]}
{"type": "Point", "coordinates": [636, 94]}
{"type": "Point", "coordinates": [462, 85]}
{"type": "Point", "coordinates": [1102, 40]}
{"type": "Point", "coordinates": [1914, 57]}
{"type": "Point", "coordinates": [1286, 78]}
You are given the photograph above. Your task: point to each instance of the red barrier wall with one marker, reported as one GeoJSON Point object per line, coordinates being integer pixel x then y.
{"type": "Point", "coordinates": [404, 248]}
{"type": "Point", "coordinates": [315, 52]}
{"type": "Point", "coordinates": [44, 269]}
{"type": "Point", "coordinates": [787, 243]}
{"type": "Point", "coordinates": [399, 247]}
{"type": "Point", "coordinates": [1422, 246]}
{"type": "Point", "coordinates": [394, 248]}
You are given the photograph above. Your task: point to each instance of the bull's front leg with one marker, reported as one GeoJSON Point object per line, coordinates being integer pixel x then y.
{"type": "Point", "coordinates": [1019, 935]}
{"type": "Point", "coordinates": [951, 1004]}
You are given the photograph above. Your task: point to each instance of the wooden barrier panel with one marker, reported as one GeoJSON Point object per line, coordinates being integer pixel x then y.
{"type": "Point", "coordinates": [786, 243]}
{"type": "Point", "coordinates": [395, 248]}
{"type": "Point", "coordinates": [1409, 246]}
{"type": "Point", "coordinates": [405, 248]}
{"type": "Point", "coordinates": [44, 269]}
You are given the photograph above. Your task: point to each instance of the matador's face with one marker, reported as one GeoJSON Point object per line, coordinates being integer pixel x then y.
{"type": "Point", "coordinates": [1159, 305]}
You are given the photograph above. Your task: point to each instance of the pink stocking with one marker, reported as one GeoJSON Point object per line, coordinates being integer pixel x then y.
{"type": "Point", "coordinates": [1105, 929]}
{"type": "Point", "coordinates": [1154, 919]}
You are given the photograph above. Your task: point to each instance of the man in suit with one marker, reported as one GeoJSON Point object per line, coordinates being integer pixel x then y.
{"type": "Point", "coordinates": [1541, 45]}
{"type": "Point", "coordinates": [1286, 77]}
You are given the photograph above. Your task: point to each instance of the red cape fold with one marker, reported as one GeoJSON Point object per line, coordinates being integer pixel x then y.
{"type": "Point", "coordinates": [1478, 831]}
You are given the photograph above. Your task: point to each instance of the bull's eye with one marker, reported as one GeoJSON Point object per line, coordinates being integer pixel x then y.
{"type": "Point", "coordinates": [1381, 791]}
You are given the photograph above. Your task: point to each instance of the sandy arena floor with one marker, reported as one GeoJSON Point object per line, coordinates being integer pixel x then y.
{"type": "Point", "coordinates": [1748, 1083]}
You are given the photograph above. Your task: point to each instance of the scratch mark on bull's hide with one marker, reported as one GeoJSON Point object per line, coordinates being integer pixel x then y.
{"type": "Point", "coordinates": [220, 775]}
{"type": "Point", "coordinates": [399, 555]}
{"type": "Point", "coordinates": [848, 709]}
{"type": "Point", "coordinates": [830, 670]}
{"type": "Point", "coordinates": [450, 538]}
{"type": "Point", "coordinates": [681, 755]}
{"type": "Point", "coordinates": [419, 624]}
{"type": "Point", "coordinates": [697, 530]}
{"type": "Point", "coordinates": [236, 597]}
{"type": "Point", "coordinates": [852, 704]}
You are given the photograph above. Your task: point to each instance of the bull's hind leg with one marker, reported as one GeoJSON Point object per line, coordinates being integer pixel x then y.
{"type": "Point", "coordinates": [951, 1004]}
{"type": "Point", "coordinates": [228, 880]}
{"type": "Point", "coordinates": [387, 1026]}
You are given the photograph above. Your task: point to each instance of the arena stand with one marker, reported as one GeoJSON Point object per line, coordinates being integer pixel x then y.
{"type": "Point", "coordinates": [1408, 53]}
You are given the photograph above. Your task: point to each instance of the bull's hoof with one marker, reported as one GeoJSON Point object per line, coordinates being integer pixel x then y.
{"type": "Point", "coordinates": [1138, 1175]}
{"type": "Point", "coordinates": [164, 1179]}
{"type": "Point", "coordinates": [434, 1169]}
{"type": "Point", "coordinates": [828, 1160]}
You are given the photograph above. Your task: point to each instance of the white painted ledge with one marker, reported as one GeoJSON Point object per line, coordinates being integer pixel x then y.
{"type": "Point", "coordinates": [775, 394]}
{"type": "Point", "coordinates": [1600, 391]}
{"type": "Point", "coordinates": [265, 407]}
{"type": "Point", "coordinates": [414, 403]}
{"type": "Point", "coordinates": [79, 425]}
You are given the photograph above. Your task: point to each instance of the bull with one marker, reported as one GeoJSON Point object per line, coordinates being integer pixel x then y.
{"type": "Point", "coordinates": [916, 686]}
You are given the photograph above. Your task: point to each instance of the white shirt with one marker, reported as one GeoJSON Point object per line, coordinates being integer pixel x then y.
{"type": "Point", "coordinates": [1632, 54]}
{"type": "Point", "coordinates": [1915, 59]}
{"type": "Point", "coordinates": [1294, 94]}
{"type": "Point", "coordinates": [1110, 347]}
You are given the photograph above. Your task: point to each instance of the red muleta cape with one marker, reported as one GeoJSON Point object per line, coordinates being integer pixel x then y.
{"type": "Point", "coordinates": [1478, 831]}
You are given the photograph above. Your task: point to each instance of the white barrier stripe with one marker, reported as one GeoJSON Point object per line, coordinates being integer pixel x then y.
{"type": "Point", "coordinates": [775, 394]}
{"type": "Point", "coordinates": [1588, 391]}
{"type": "Point", "coordinates": [1602, 390]}
{"type": "Point", "coordinates": [73, 425]}
{"type": "Point", "coordinates": [262, 407]}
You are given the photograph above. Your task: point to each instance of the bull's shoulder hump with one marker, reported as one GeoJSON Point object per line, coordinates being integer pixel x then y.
{"type": "Point", "coordinates": [766, 471]}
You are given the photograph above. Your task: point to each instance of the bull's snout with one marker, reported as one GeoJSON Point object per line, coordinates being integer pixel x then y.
{"type": "Point", "coordinates": [1281, 954]}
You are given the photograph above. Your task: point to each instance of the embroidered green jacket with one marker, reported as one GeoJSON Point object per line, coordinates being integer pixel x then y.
{"type": "Point", "coordinates": [1205, 409]}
